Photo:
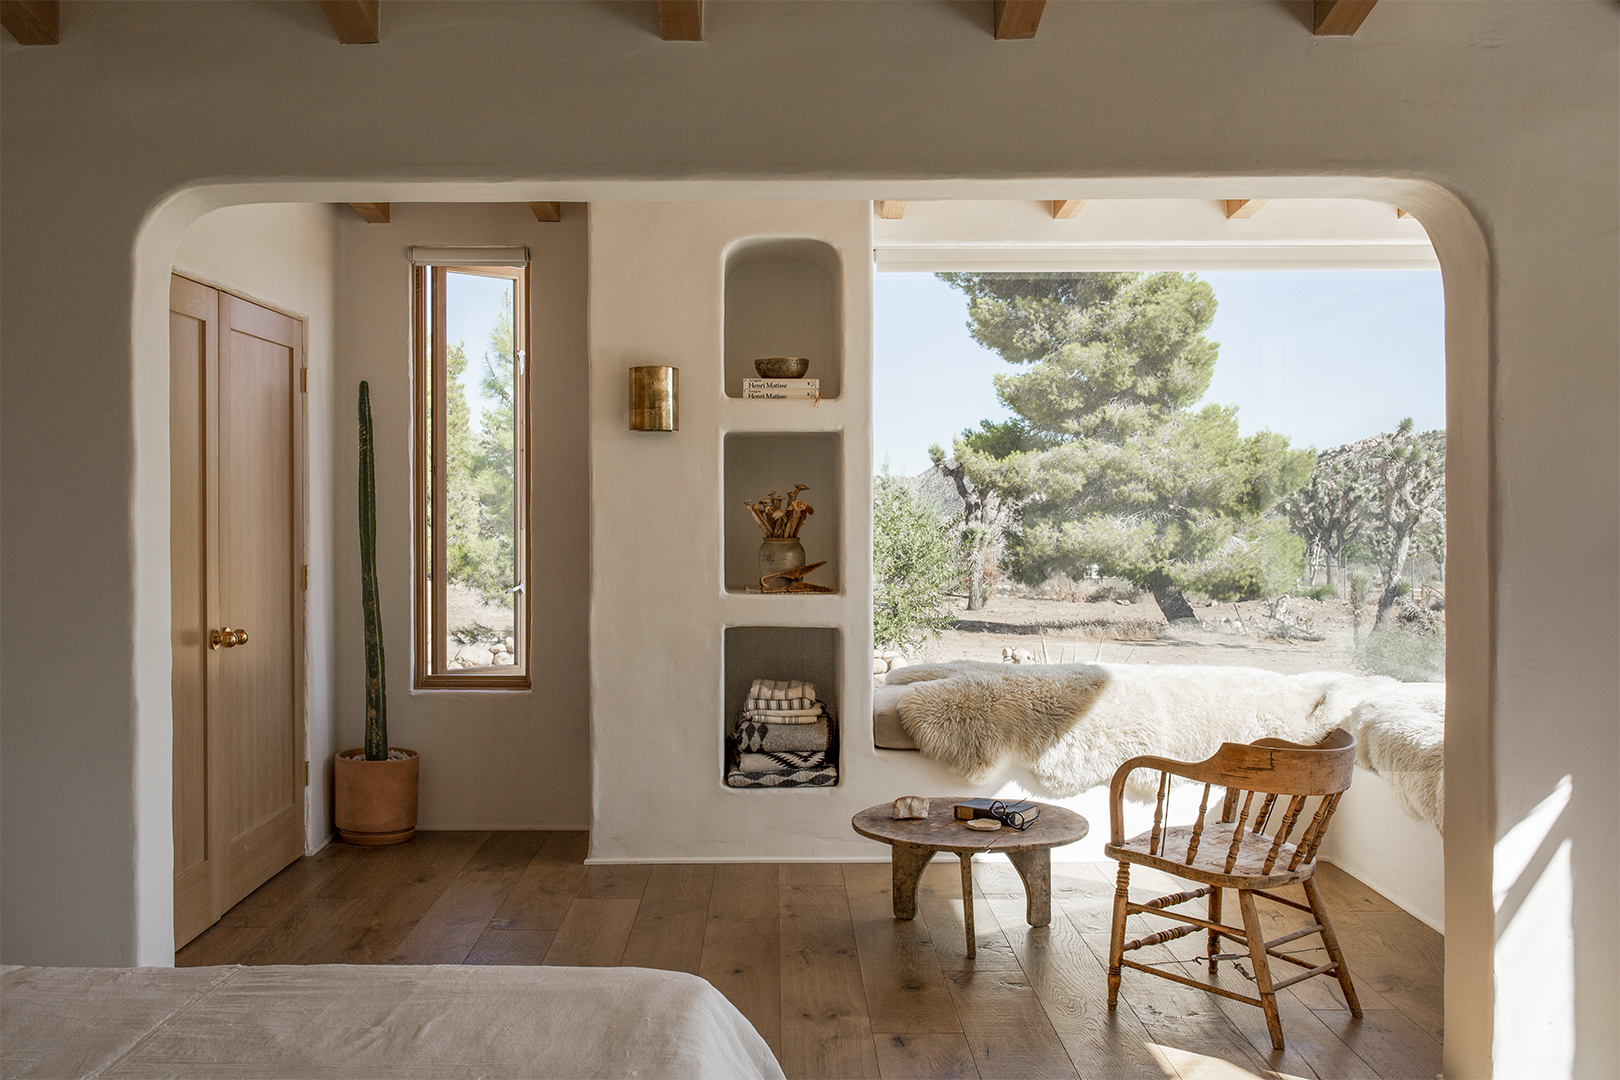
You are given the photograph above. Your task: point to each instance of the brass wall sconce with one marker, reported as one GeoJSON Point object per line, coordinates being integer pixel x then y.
{"type": "Point", "coordinates": [654, 393]}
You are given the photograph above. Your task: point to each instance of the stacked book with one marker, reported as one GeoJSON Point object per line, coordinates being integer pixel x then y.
{"type": "Point", "coordinates": [782, 389]}
{"type": "Point", "coordinates": [783, 738]}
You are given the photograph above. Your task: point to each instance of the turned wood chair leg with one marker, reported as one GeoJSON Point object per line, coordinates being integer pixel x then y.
{"type": "Point", "coordinates": [1262, 969]}
{"type": "Point", "coordinates": [1214, 916]}
{"type": "Point", "coordinates": [1331, 940]}
{"type": "Point", "coordinates": [1116, 937]}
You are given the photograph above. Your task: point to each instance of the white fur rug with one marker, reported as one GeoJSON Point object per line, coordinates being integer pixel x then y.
{"type": "Point", "coordinates": [1074, 724]}
{"type": "Point", "coordinates": [1401, 735]}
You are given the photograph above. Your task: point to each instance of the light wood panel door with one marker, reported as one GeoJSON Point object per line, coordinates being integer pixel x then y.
{"type": "Point", "coordinates": [236, 439]}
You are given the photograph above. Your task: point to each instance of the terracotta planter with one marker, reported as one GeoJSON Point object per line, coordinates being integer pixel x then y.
{"type": "Point", "coordinates": [375, 800]}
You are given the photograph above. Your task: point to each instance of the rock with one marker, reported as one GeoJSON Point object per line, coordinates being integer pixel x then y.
{"type": "Point", "coordinates": [898, 662]}
{"type": "Point", "coordinates": [505, 658]}
{"type": "Point", "coordinates": [879, 665]}
{"type": "Point", "coordinates": [879, 680]}
{"type": "Point", "coordinates": [498, 648]}
{"type": "Point", "coordinates": [511, 645]}
{"type": "Point", "coordinates": [1124, 603]}
{"type": "Point", "coordinates": [475, 656]}
{"type": "Point", "coordinates": [910, 806]}
{"type": "Point", "coordinates": [984, 824]}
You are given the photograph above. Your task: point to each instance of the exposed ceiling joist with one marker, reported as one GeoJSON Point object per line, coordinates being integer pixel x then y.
{"type": "Point", "coordinates": [680, 20]}
{"type": "Point", "coordinates": [356, 22]}
{"type": "Point", "coordinates": [1401, 213]}
{"type": "Point", "coordinates": [1064, 209]}
{"type": "Point", "coordinates": [374, 212]}
{"type": "Point", "coordinates": [1341, 18]}
{"type": "Point", "coordinates": [1018, 19]}
{"type": "Point", "coordinates": [1243, 208]}
{"type": "Point", "coordinates": [546, 211]}
{"type": "Point", "coordinates": [32, 22]}
{"type": "Point", "coordinates": [890, 210]}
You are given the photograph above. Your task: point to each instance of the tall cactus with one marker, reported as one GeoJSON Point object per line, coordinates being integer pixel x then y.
{"type": "Point", "coordinates": [376, 692]}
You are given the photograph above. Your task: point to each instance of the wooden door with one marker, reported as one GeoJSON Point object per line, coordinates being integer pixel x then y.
{"type": "Point", "coordinates": [236, 437]}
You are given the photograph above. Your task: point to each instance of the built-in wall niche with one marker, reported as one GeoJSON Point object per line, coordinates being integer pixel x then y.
{"type": "Point", "coordinates": [804, 653]}
{"type": "Point", "coordinates": [782, 298]}
{"type": "Point", "coordinates": [758, 463]}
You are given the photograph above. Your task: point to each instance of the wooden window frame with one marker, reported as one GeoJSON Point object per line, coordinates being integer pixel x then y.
{"type": "Point", "coordinates": [431, 373]}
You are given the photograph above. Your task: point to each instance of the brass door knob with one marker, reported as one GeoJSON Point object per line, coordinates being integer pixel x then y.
{"type": "Point", "coordinates": [226, 638]}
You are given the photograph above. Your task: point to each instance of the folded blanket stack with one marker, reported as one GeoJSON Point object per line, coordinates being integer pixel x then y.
{"type": "Point", "coordinates": [784, 738]}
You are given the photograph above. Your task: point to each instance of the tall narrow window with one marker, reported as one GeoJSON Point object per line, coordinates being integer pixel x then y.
{"type": "Point", "coordinates": [472, 528]}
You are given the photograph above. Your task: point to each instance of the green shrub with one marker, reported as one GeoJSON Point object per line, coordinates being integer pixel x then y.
{"type": "Point", "coordinates": [1403, 653]}
{"type": "Point", "coordinates": [1321, 592]}
{"type": "Point", "coordinates": [915, 559]}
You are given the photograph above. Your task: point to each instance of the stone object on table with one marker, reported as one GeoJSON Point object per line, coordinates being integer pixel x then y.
{"type": "Point", "coordinates": [910, 806]}
{"type": "Point", "coordinates": [982, 824]}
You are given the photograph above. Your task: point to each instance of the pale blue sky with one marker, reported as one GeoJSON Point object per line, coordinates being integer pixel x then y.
{"type": "Point", "coordinates": [473, 303]}
{"type": "Point", "coordinates": [1324, 357]}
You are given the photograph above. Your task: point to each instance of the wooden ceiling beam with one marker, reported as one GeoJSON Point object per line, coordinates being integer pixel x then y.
{"type": "Point", "coordinates": [1399, 213]}
{"type": "Point", "coordinates": [1341, 18]}
{"type": "Point", "coordinates": [1017, 20]}
{"type": "Point", "coordinates": [32, 22]}
{"type": "Point", "coordinates": [356, 22]}
{"type": "Point", "coordinates": [375, 213]}
{"type": "Point", "coordinates": [1243, 208]}
{"type": "Point", "coordinates": [890, 210]}
{"type": "Point", "coordinates": [680, 20]}
{"type": "Point", "coordinates": [1065, 209]}
{"type": "Point", "coordinates": [546, 211]}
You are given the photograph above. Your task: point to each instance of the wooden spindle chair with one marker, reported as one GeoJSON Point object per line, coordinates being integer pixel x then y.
{"type": "Point", "coordinates": [1236, 852]}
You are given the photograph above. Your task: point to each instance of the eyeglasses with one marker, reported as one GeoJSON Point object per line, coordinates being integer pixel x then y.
{"type": "Point", "coordinates": [1013, 819]}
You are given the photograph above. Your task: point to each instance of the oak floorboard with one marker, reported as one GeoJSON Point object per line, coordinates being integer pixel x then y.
{"type": "Point", "coordinates": [266, 905]}
{"type": "Point", "coordinates": [594, 933]}
{"type": "Point", "coordinates": [1311, 1049]}
{"type": "Point", "coordinates": [510, 947]}
{"type": "Point", "coordinates": [812, 875]}
{"type": "Point", "coordinates": [218, 945]}
{"type": "Point", "coordinates": [927, 1056]}
{"type": "Point", "coordinates": [1403, 960]}
{"type": "Point", "coordinates": [506, 851]}
{"type": "Point", "coordinates": [939, 904]}
{"type": "Point", "coordinates": [672, 921]}
{"type": "Point", "coordinates": [461, 914]}
{"type": "Point", "coordinates": [301, 932]}
{"type": "Point", "coordinates": [745, 891]}
{"type": "Point", "coordinates": [1385, 1039]}
{"type": "Point", "coordinates": [905, 989]}
{"type": "Point", "coordinates": [1007, 1030]}
{"type": "Point", "coordinates": [1072, 988]}
{"type": "Point", "coordinates": [825, 1027]}
{"type": "Point", "coordinates": [1178, 1016]}
{"type": "Point", "coordinates": [566, 846]}
{"type": "Point", "coordinates": [541, 897]}
{"type": "Point", "coordinates": [615, 881]}
{"type": "Point", "coordinates": [742, 960]}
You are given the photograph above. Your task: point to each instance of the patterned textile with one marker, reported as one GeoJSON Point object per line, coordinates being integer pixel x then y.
{"type": "Point", "coordinates": [759, 735]}
{"type": "Point", "coordinates": [823, 777]}
{"type": "Point", "coordinates": [786, 761]}
{"type": "Point", "coordinates": [773, 705]}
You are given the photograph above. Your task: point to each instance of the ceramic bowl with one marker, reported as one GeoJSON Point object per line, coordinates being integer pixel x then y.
{"type": "Point", "coordinates": [782, 367]}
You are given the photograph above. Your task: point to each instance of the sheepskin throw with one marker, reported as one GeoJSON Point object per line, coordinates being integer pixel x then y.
{"type": "Point", "coordinates": [1401, 735]}
{"type": "Point", "coordinates": [1074, 724]}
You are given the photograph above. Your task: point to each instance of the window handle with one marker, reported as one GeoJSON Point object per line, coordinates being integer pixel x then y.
{"type": "Point", "coordinates": [516, 588]}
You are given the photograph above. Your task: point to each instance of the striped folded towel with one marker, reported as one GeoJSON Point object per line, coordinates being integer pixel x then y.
{"type": "Point", "coordinates": [785, 705]}
{"type": "Point", "coordinates": [758, 735]}
{"type": "Point", "coordinates": [781, 690]}
{"type": "Point", "coordinates": [784, 761]}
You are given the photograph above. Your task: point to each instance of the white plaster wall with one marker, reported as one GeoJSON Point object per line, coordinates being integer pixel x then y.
{"type": "Point", "coordinates": [1400, 856]}
{"type": "Point", "coordinates": [1497, 124]}
{"type": "Point", "coordinates": [285, 256]}
{"type": "Point", "coordinates": [491, 759]}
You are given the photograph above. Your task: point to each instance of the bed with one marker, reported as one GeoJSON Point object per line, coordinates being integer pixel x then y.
{"type": "Point", "coordinates": [375, 1021]}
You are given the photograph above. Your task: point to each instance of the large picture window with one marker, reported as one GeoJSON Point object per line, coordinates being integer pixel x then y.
{"type": "Point", "coordinates": [472, 528]}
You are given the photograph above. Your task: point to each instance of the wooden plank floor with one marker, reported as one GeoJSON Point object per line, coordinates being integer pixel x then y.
{"type": "Point", "coordinates": [811, 954]}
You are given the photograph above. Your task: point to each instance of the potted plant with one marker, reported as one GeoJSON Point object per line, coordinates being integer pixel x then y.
{"type": "Point", "coordinates": [375, 785]}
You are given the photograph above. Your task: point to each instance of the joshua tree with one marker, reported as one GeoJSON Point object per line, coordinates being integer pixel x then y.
{"type": "Point", "coordinates": [376, 695]}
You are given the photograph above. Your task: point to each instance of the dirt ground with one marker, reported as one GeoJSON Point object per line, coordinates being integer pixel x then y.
{"type": "Point", "coordinates": [1107, 630]}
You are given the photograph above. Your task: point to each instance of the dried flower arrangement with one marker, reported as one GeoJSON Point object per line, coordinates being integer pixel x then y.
{"type": "Point", "coordinates": [781, 518]}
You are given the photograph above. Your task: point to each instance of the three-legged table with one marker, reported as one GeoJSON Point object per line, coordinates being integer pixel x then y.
{"type": "Point", "coordinates": [917, 840]}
